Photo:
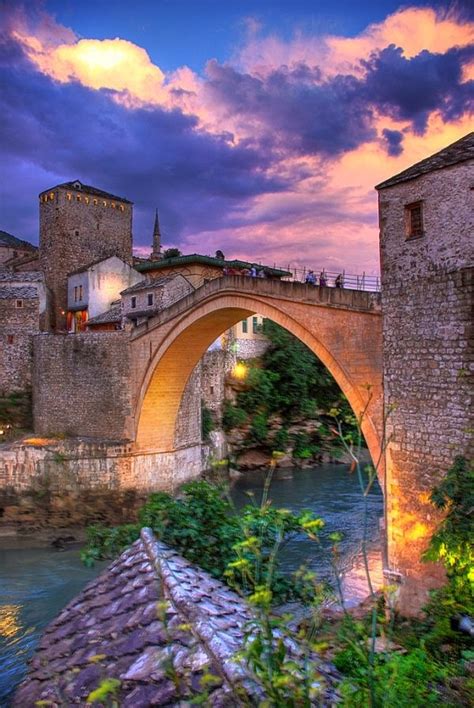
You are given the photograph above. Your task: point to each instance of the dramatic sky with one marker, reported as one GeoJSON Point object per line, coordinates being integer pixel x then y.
{"type": "Point", "coordinates": [255, 126]}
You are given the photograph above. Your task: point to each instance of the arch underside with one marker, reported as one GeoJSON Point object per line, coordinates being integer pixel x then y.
{"type": "Point", "coordinates": [177, 354]}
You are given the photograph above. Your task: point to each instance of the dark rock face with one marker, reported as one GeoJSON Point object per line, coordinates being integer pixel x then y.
{"type": "Point", "coordinates": [154, 623]}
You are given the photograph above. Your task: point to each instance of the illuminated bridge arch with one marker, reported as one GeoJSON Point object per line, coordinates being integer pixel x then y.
{"type": "Point", "coordinates": [341, 327]}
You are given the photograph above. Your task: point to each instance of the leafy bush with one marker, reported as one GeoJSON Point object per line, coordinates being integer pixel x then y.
{"type": "Point", "coordinates": [207, 422]}
{"type": "Point", "coordinates": [281, 439]}
{"type": "Point", "coordinates": [108, 542]}
{"type": "Point", "coordinates": [259, 428]}
{"type": "Point", "coordinates": [233, 416]}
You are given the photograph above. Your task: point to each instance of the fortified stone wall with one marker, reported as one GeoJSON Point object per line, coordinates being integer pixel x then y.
{"type": "Point", "coordinates": [77, 228]}
{"type": "Point", "coordinates": [188, 422]}
{"type": "Point", "coordinates": [17, 326]}
{"type": "Point", "coordinates": [82, 385]}
{"type": "Point", "coordinates": [427, 296]}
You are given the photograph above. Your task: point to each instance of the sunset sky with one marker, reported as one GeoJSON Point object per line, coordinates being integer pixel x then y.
{"type": "Point", "coordinates": [255, 126]}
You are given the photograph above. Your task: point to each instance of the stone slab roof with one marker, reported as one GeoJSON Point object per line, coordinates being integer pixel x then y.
{"type": "Point", "coordinates": [11, 241]}
{"type": "Point", "coordinates": [112, 315]}
{"type": "Point", "coordinates": [149, 618]}
{"type": "Point", "coordinates": [460, 151]}
{"type": "Point", "coordinates": [18, 293]}
{"type": "Point", "coordinates": [89, 190]}
{"type": "Point", "coordinates": [86, 267]}
{"type": "Point", "coordinates": [12, 276]}
{"type": "Point", "coordinates": [150, 284]}
{"type": "Point", "coordinates": [143, 266]}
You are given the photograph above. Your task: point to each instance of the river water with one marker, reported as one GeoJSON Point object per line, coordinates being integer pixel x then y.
{"type": "Point", "coordinates": [35, 583]}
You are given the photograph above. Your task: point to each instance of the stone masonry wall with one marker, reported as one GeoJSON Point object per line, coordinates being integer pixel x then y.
{"type": "Point", "coordinates": [427, 298]}
{"type": "Point", "coordinates": [74, 233]}
{"type": "Point", "coordinates": [82, 385]}
{"type": "Point", "coordinates": [17, 326]}
{"type": "Point", "coordinates": [64, 483]}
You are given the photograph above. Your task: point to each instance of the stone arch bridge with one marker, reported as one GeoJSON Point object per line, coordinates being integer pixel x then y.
{"type": "Point", "coordinates": [342, 327]}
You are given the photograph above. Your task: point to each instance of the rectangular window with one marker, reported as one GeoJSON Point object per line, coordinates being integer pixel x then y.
{"type": "Point", "coordinates": [133, 302]}
{"type": "Point", "coordinates": [78, 197]}
{"type": "Point", "coordinates": [150, 298]}
{"type": "Point", "coordinates": [19, 303]}
{"type": "Point", "coordinates": [414, 220]}
{"type": "Point", "coordinates": [10, 338]}
{"type": "Point", "coordinates": [244, 327]}
{"type": "Point", "coordinates": [255, 327]}
{"type": "Point", "coordinates": [80, 292]}
{"type": "Point", "coordinates": [75, 293]}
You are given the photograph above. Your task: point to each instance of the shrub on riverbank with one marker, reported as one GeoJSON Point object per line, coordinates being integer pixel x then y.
{"type": "Point", "coordinates": [288, 388]}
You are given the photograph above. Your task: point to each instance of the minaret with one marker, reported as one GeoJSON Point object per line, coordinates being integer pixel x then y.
{"type": "Point", "coordinates": [156, 254]}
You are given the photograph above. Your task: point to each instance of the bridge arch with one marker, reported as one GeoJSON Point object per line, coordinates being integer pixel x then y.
{"type": "Point", "coordinates": [186, 337]}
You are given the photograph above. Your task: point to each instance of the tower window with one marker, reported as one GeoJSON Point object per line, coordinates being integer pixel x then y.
{"type": "Point", "coordinates": [133, 303]}
{"type": "Point", "coordinates": [86, 199]}
{"type": "Point", "coordinates": [76, 232]}
{"type": "Point", "coordinates": [51, 196]}
{"type": "Point", "coordinates": [112, 204]}
{"type": "Point", "coordinates": [121, 207]}
{"type": "Point", "coordinates": [244, 326]}
{"type": "Point", "coordinates": [104, 203]}
{"type": "Point", "coordinates": [78, 197]}
{"type": "Point", "coordinates": [19, 304]}
{"type": "Point", "coordinates": [68, 196]}
{"type": "Point", "coordinates": [414, 220]}
{"type": "Point", "coordinates": [10, 338]}
{"type": "Point", "coordinates": [96, 201]}
{"type": "Point", "coordinates": [150, 298]}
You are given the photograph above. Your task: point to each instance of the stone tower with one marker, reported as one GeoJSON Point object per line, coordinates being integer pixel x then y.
{"type": "Point", "coordinates": [79, 224]}
{"type": "Point", "coordinates": [427, 252]}
{"type": "Point", "coordinates": [156, 254]}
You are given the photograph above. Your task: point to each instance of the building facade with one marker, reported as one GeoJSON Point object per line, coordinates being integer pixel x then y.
{"type": "Point", "coordinates": [79, 224]}
{"type": "Point", "coordinates": [427, 255]}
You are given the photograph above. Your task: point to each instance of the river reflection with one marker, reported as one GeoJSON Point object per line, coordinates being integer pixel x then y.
{"type": "Point", "coordinates": [332, 493]}
{"type": "Point", "coordinates": [35, 584]}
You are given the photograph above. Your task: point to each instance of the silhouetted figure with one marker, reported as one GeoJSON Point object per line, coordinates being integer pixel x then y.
{"type": "Point", "coordinates": [322, 280]}
{"type": "Point", "coordinates": [220, 255]}
{"type": "Point", "coordinates": [338, 281]}
{"type": "Point", "coordinates": [310, 278]}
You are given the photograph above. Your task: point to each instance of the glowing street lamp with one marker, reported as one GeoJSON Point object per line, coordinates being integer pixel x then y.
{"type": "Point", "coordinates": [240, 371]}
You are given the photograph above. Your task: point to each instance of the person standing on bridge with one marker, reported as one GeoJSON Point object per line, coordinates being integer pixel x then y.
{"type": "Point", "coordinates": [310, 278]}
{"type": "Point", "coordinates": [253, 271]}
{"type": "Point", "coordinates": [322, 279]}
{"type": "Point", "coordinates": [338, 281]}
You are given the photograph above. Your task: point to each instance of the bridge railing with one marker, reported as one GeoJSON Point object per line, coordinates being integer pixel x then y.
{"type": "Point", "coordinates": [350, 281]}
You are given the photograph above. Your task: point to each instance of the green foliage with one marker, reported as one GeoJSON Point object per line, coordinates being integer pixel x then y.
{"type": "Point", "coordinates": [259, 428]}
{"type": "Point", "coordinates": [172, 253]}
{"type": "Point", "coordinates": [200, 524]}
{"type": "Point", "coordinates": [207, 422]}
{"type": "Point", "coordinates": [289, 382]}
{"type": "Point", "coordinates": [452, 542]}
{"type": "Point", "coordinates": [107, 689]}
{"type": "Point", "coordinates": [104, 542]}
{"type": "Point", "coordinates": [281, 439]}
{"type": "Point", "coordinates": [386, 679]}
{"type": "Point", "coordinates": [233, 416]}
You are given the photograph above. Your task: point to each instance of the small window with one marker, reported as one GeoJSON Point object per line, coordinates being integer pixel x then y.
{"type": "Point", "coordinates": [104, 203]}
{"type": "Point", "coordinates": [121, 207]}
{"type": "Point", "coordinates": [68, 197]}
{"type": "Point", "coordinates": [51, 196]}
{"type": "Point", "coordinates": [19, 304]}
{"type": "Point", "coordinates": [150, 298]}
{"type": "Point", "coordinates": [133, 303]}
{"type": "Point", "coordinates": [244, 327]}
{"type": "Point", "coordinates": [86, 199]}
{"type": "Point", "coordinates": [78, 197]}
{"type": "Point", "coordinates": [15, 254]}
{"type": "Point", "coordinates": [112, 204]}
{"type": "Point", "coordinates": [80, 292]}
{"type": "Point", "coordinates": [414, 220]}
{"type": "Point", "coordinates": [211, 390]}
{"type": "Point", "coordinates": [95, 202]}
{"type": "Point", "coordinates": [255, 327]}
{"type": "Point", "coordinates": [10, 339]}
{"type": "Point", "coordinates": [76, 232]}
